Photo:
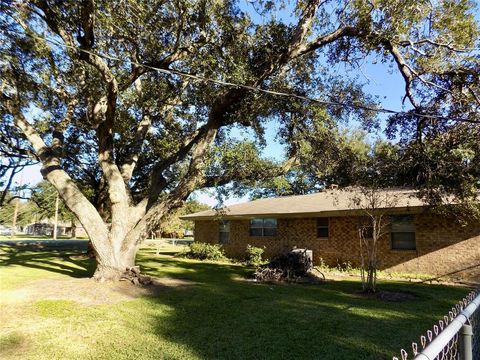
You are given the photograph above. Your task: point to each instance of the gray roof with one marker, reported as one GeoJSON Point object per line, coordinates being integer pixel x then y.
{"type": "Point", "coordinates": [325, 203]}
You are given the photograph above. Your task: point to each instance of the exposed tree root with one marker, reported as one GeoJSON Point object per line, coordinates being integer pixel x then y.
{"type": "Point", "coordinates": [133, 275]}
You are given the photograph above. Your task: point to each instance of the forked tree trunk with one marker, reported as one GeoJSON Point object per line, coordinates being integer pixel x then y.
{"type": "Point", "coordinates": [368, 266]}
{"type": "Point", "coordinates": [115, 245]}
{"type": "Point", "coordinates": [115, 253]}
{"type": "Point", "coordinates": [370, 284]}
{"type": "Point", "coordinates": [111, 266]}
{"type": "Point", "coordinates": [113, 256]}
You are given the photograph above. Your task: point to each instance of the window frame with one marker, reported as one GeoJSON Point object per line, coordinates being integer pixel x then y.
{"type": "Point", "coordinates": [318, 227]}
{"type": "Point", "coordinates": [392, 232]}
{"type": "Point", "coordinates": [262, 227]}
{"type": "Point", "coordinates": [223, 228]}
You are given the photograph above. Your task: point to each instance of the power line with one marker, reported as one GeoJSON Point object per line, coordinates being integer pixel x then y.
{"type": "Point", "coordinates": [242, 86]}
{"type": "Point", "coordinates": [6, 211]}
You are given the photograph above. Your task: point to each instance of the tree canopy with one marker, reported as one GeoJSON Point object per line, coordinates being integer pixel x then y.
{"type": "Point", "coordinates": [140, 101]}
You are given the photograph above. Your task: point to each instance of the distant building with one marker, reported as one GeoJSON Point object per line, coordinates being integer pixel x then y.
{"type": "Point", "coordinates": [40, 229]}
{"type": "Point", "coordinates": [46, 229]}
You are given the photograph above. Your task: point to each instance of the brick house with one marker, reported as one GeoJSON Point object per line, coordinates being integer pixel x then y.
{"type": "Point", "coordinates": [417, 241]}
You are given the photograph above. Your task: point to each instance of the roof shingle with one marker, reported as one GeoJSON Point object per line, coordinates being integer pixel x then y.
{"type": "Point", "coordinates": [325, 203]}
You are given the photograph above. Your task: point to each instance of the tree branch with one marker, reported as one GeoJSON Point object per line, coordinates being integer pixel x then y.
{"type": "Point", "coordinates": [15, 170]}
{"type": "Point", "coordinates": [412, 44]}
{"type": "Point", "coordinates": [53, 171]}
{"type": "Point", "coordinates": [220, 180]}
{"type": "Point", "coordinates": [157, 210]}
{"type": "Point", "coordinates": [407, 74]}
{"type": "Point", "coordinates": [128, 166]}
{"type": "Point", "coordinates": [50, 17]}
{"type": "Point", "coordinates": [233, 97]}
{"type": "Point", "coordinates": [326, 39]}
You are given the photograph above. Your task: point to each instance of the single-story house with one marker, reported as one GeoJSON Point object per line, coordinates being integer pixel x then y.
{"type": "Point", "coordinates": [46, 229]}
{"type": "Point", "coordinates": [417, 239]}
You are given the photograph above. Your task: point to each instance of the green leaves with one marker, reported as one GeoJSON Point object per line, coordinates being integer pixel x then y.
{"type": "Point", "coordinates": [159, 117]}
{"type": "Point", "coordinates": [43, 197]}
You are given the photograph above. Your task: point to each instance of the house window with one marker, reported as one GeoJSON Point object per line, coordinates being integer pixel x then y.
{"type": "Point", "coordinates": [263, 227]}
{"type": "Point", "coordinates": [322, 228]}
{"type": "Point", "coordinates": [402, 233]}
{"type": "Point", "coordinates": [224, 231]}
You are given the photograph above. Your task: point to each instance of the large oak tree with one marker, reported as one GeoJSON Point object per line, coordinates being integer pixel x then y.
{"type": "Point", "coordinates": [112, 96]}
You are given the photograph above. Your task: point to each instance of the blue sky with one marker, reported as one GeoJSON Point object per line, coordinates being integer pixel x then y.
{"type": "Point", "coordinates": [379, 81]}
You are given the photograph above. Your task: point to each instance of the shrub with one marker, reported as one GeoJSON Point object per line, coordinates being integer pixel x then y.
{"type": "Point", "coordinates": [344, 266]}
{"type": "Point", "coordinates": [254, 255]}
{"type": "Point", "coordinates": [204, 251]}
{"type": "Point", "coordinates": [322, 265]}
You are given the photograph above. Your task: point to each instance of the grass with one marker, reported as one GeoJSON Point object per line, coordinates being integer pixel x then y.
{"type": "Point", "coordinates": [220, 316]}
{"type": "Point", "coordinates": [37, 237]}
{"type": "Point", "coordinates": [346, 269]}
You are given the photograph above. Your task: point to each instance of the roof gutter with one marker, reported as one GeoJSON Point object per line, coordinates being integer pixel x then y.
{"type": "Point", "coordinates": [329, 213]}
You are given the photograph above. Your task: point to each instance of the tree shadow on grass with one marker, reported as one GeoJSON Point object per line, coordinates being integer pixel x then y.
{"type": "Point", "coordinates": [56, 257]}
{"type": "Point", "coordinates": [222, 318]}
{"type": "Point", "coordinates": [66, 257]}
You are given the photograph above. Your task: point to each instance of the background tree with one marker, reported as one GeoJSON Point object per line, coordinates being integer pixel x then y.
{"type": "Point", "coordinates": [325, 157]}
{"type": "Point", "coordinates": [26, 211]}
{"type": "Point", "coordinates": [44, 196]}
{"type": "Point", "coordinates": [15, 155]}
{"type": "Point", "coordinates": [173, 225]}
{"type": "Point", "coordinates": [38, 206]}
{"type": "Point", "coordinates": [138, 98]}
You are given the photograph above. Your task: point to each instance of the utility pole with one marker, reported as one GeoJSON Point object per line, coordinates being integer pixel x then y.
{"type": "Point", "coordinates": [14, 220]}
{"type": "Point", "coordinates": [56, 219]}
{"type": "Point", "coordinates": [15, 212]}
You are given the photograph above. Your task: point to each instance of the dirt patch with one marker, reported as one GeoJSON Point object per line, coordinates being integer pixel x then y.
{"type": "Point", "coordinates": [396, 296]}
{"type": "Point", "coordinates": [86, 291]}
{"type": "Point", "coordinates": [389, 296]}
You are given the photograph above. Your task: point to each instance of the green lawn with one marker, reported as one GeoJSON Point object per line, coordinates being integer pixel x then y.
{"type": "Point", "coordinates": [218, 316]}
{"type": "Point", "coordinates": [36, 237]}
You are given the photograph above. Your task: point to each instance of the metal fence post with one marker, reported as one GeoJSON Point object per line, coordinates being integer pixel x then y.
{"type": "Point", "coordinates": [455, 341]}
{"type": "Point", "coordinates": [465, 342]}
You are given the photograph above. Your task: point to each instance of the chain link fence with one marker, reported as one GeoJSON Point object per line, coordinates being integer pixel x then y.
{"type": "Point", "coordinates": [455, 337]}
{"type": "Point", "coordinates": [475, 323]}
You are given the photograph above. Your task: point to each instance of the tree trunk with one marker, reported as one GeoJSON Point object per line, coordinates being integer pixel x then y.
{"type": "Point", "coordinates": [370, 279]}
{"type": "Point", "coordinates": [111, 266]}
{"type": "Point", "coordinates": [115, 254]}
{"type": "Point", "coordinates": [368, 268]}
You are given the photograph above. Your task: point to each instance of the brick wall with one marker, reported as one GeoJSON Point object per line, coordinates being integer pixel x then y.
{"type": "Point", "coordinates": [443, 247]}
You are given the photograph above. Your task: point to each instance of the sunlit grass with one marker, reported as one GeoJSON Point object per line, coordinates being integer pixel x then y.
{"type": "Point", "coordinates": [17, 237]}
{"type": "Point", "coordinates": [217, 317]}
